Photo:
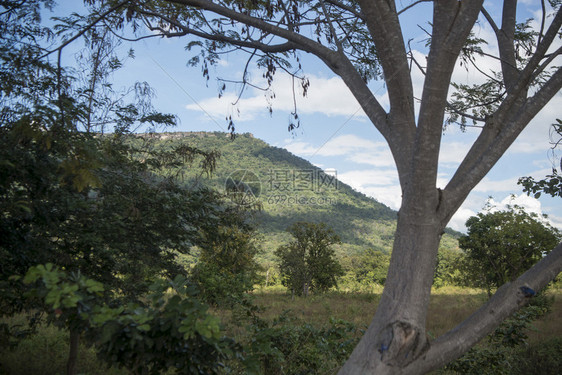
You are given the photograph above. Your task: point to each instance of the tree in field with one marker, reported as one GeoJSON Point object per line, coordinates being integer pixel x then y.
{"type": "Point", "coordinates": [227, 266]}
{"type": "Point", "coordinates": [501, 245]}
{"type": "Point", "coordinates": [371, 267]}
{"type": "Point", "coordinates": [364, 40]}
{"type": "Point", "coordinates": [447, 270]}
{"type": "Point", "coordinates": [308, 263]}
{"type": "Point", "coordinates": [73, 198]}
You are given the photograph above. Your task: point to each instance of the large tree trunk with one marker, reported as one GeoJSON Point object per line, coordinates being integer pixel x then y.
{"type": "Point", "coordinates": [396, 341]}
{"type": "Point", "coordinates": [396, 335]}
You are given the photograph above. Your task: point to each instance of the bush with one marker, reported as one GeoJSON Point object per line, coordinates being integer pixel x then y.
{"type": "Point", "coordinates": [170, 330]}
{"type": "Point", "coordinates": [501, 354]}
{"type": "Point", "coordinates": [286, 346]}
{"type": "Point", "coordinates": [540, 359]}
{"type": "Point", "coordinates": [45, 352]}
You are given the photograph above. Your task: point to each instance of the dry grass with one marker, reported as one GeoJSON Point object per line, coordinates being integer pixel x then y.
{"type": "Point", "coordinates": [549, 326]}
{"type": "Point", "coordinates": [448, 307]}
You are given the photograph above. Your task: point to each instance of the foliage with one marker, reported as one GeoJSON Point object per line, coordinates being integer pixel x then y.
{"type": "Point", "coordinates": [283, 346]}
{"type": "Point", "coordinates": [173, 330]}
{"type": "Point", "coordinates": [448, 267]}
{"type": "Point", "coordinates": [46, 351]}
{"type": "Point", "coordinates": [121, 225]}
{"type": "Point", "coordinates": [501, 245]}
{"type": "Point", "coordinates": [499, 355]}
{"type": "Point", "coordinates": [370, 267]}
{"type": "Point", "coordinates": [227, 266]}
{"type": "Point", "coordinates": [72, 196]}
{"type": "Point", "coordinates": [308, 262]}
{"type": "Point", "coordinates": [552, 183]}
{"type": "Point", "coordinates": [540, 358]}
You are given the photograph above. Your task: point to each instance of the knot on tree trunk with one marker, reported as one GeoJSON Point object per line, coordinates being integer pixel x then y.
{"type": "Point", "coordinates": [401, 343]}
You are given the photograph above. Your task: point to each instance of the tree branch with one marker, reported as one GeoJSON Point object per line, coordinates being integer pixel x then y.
{"type": "Point", "coordinates": [452, 23]}
{"type": "Point", "coordinates": [267, 48]}
{"type": "Point", "coordinates": [413, 5]}
{"type": "Point", "coordinates": [384, 27]}
{"type": "Point", "coordinates": [490, 20]}
{"type": "Point", "coordinates": [501, 129]}
{"type": "Point", "coordinates": [347, 8]}
{"type": "Point", "coordinates": [88, 27]}
{"type": "Point", "coordinates": [484, 159]}
{"type": "Point", "coordinates": [508, 299]}
{"type": "Point", "coordinates": [506, 38]}
{"type": "Point", "coordinates": [301, 42]}
{"type": "Point", "coordinates": [331, 26]}
{"type": "Point", "coordinates": [548, 60]}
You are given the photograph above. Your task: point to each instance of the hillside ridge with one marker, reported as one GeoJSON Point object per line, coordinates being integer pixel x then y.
{"type": "Point", "coordinates": [290, 189]}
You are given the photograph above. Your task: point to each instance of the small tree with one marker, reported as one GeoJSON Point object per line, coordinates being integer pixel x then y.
{"type": "Point", "coordinates": [309, 263]}
{"type": "Point", "coordinates": [227, 266]}
{"type": "Point", "coordinates": [501, 245]}
{"type": "Point", "coordinates": [371, 266]}
{"type": "Point", "coordinates": [447, 267]}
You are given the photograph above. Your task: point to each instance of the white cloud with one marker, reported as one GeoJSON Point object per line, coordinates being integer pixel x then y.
{"type": "Point", "coordinates": [328, 96]}
{"type": "Point", "coordinates": [381, 184]}
{"type": "Point", "coordinates": [459, 219]}
{"type": "Point", "coordinates": [300, 148]}
{"type": "Point", "coordinates": [375, 157]}
{"type": "Point", "coordinates": [487, 185]}
{"type": "Point", "coordinates": [352, 147]}
{"type": "Point", "coordinates": [452, 153]}
{"type": "Point", "coordinates": [371, 177]}
{"type": "Point", "coordinates": [529, 204]}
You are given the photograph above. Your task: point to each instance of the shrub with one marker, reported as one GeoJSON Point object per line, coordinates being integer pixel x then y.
{"type": "Point", "coordinates": [540, 359]}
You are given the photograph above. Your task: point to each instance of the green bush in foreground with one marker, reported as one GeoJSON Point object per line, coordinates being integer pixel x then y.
{"type": "Point", "coordinates": [288, 346]}
{"type": "Point", "coordinates": [173, 330]}
{"type": "Point", "coordinates": [506, 350]}
{"type": "Point", "coordinates": [46, 352]}
{"type": "Point", "coordinates": [540, 359]}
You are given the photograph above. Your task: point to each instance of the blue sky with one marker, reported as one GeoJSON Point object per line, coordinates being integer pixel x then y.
{"type": "Point", "coordinates": [334, 132]}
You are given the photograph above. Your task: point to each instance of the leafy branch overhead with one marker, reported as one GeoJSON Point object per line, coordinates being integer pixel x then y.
{"type": "Point", "coordinates": [552, 183]}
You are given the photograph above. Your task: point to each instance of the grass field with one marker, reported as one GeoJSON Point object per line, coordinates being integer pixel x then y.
{"type": "Point", "coordinates": [449, 306]}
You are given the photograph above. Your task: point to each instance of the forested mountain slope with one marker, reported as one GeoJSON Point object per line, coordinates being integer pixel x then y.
{"type": "Point", "coordinates": [289, 189]}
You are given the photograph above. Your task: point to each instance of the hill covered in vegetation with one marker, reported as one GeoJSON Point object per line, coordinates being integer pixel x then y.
{"type": "Point", "coordinates": [288, 189]}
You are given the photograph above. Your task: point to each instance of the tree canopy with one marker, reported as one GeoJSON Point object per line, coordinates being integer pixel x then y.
{"type": "Point", "coordinates": [500, 245]}
{"type": "Point", "coordinates": [309, 262]}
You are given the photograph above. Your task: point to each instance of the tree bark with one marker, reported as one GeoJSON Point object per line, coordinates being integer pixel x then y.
{"type": "Point", "coordinates": [397, 335]}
